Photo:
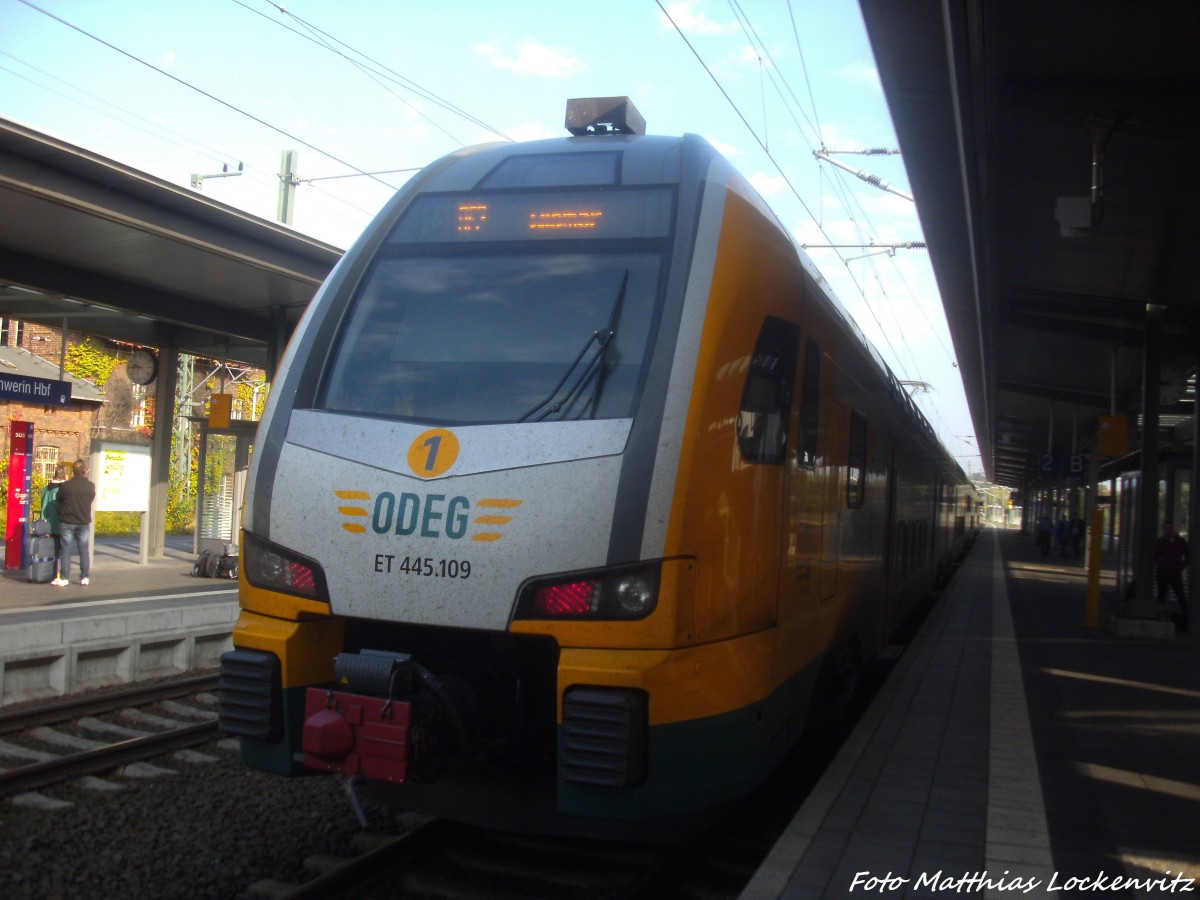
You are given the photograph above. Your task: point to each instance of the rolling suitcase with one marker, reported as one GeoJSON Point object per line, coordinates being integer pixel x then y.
{"type": "Point", "coordinates": [42, 564]}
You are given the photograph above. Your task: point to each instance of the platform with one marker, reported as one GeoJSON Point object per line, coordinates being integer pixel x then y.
{"type": "Point", "coordinates": [1012, 748]}
{"type": "Point", "coordinates": [133, 622]}
{"type": "Point", "coordinates": [116, 573]}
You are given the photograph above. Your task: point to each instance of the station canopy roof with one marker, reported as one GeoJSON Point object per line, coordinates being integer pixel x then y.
{"type": "Point", "coordinates": [123, 255]}
{"type": "Point", "coordinates": [1050, 148]}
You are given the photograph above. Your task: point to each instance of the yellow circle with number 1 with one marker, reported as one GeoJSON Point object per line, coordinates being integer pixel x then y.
{"type": "Point", "coordinates": [433, 453]}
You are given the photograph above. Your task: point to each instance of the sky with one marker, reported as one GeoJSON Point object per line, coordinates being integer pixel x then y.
{"type": "Point", "coordinates": [367, 91]}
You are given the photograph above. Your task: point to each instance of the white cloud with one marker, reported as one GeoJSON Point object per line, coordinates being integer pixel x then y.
{"type": "Point", "coordinates": [769, 185]}
{"type": "Point", "coordinates": [533, 58]}
{"type": "Point", "coordinates": [530, 131]}
{"type": "Point", "coordinates": [861, 73]}
{"type": "Point", "coordinates": [692, 20]}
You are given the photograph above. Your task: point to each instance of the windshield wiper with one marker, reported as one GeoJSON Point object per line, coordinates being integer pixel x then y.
{"type": "Point", "coordinates": [602, 339]}
{"type": "Point", "coordinates": [594, 367]}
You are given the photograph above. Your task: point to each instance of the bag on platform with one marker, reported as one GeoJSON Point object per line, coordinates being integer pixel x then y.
{"type": "Point", "coordinates": [40, 528]}
{"type": "Point", "coordinates": [227, 566]}
{"type": "Point", "coordinates": [43, 565]}
{"type": "Point", "coordinates": [205, 565]}
{"type": "Point", "coordinates": [216, 565]}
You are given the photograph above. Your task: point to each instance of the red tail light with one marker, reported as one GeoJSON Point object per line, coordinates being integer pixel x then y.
{"type": "Point", "coordinates": [302, 579]}
{"type": "Point", "coordinates": [572, 599]}
{"type": "Point", "coordinates": [269, 566]}
{"type": "Point", "coordinates": [619, 592]}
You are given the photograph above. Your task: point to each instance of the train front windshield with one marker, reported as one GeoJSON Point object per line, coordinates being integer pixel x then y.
{"type": "Point", "coordinates": [507, 307]}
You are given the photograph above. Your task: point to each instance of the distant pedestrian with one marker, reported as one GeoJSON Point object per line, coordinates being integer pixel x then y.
{"type": "Point", "coordinates": [1063, 535]}
{"type": "Point", "coordinates": [50, 510]}
{"type": "Point", "coordinates": [1045, 534]}
{"type": "Point", "coordinates": [1078, 532]}
{"type": "Point", "coordinates": [1170, 559]}
{"type": "Point", "coordinates": [75, 499]}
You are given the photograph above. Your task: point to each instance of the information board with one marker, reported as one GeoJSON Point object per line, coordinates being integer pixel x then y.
{"type": "Point", "coordinates": [122, 476]}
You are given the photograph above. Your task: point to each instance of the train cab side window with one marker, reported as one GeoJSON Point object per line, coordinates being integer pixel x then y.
{"type": "Point", "coordinates": [810, 398]}
{"type": "Point", "coordinates": [762, 423]}
{"type": "Point", "coordinates": [856, 465]}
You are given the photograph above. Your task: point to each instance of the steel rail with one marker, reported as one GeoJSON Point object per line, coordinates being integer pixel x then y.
{"type": "Point", "coordinates": [363, 870]}
{"type": "Point", "coordinates": [87, 762]}
{"type": "Point", "coordinates": [73, 708]}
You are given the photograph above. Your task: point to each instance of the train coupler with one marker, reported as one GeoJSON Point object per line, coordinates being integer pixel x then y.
{"type": "Point", "coordinates": [354, 734]}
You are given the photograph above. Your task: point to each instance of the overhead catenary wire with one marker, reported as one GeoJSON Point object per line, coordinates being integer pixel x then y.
{"type": "Point", "coordinates": [158, 131]}
{"type": "Point", "coordinates": [848, 198]}
{"type": "Point", "coordinates": [192, 87]}
{"type": "Point", "coordinates": [790, 101]}
{"type": "Point", "coordinates": [774, 162]}
{"type": "Point", "coordinates": [148, 127]}
{"type": "Point", "coordinates": [326, 40]}
{"type": "Point", "coordinates": [824, 152]}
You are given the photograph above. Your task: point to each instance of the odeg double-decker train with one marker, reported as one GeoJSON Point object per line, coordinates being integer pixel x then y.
{"type": "Point", "coordinates": [576, 490]}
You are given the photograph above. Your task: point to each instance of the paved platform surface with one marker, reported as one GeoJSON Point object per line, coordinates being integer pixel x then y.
{"type": "Point", "coordinates": [1013, 752]}
{"type": "Point", "coordinates": [115, 574]}
{"type": "Point", "coordinates": [134, 621]}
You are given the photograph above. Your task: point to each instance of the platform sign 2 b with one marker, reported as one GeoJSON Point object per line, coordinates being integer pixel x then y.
{"type": "Point", "coordinates": [1063, 465]}
{"type": "Point", "coordinates": [20, 485]}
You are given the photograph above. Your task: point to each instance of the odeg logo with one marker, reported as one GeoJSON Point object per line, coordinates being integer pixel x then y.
{"type": "Point", "coordinates": [409, 514]}
{"type": "Point", "coordinates": [425, 515]}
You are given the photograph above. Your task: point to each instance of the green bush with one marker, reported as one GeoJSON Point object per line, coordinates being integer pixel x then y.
{"type": "Point", "coordinates": [180, 513]}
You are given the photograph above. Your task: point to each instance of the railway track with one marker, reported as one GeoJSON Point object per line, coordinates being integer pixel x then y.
{"type": "Point", "coordinates": [437, 858]}
{"type": "Point", "coordinates": [449, 861]}
{"type": "Point", "coordinates": [69, 739]}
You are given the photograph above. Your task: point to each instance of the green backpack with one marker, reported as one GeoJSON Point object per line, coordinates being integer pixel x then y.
{"type": "Point", "coordinates": [50, 507]}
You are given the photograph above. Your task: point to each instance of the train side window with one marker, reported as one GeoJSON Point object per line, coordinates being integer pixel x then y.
{"type": "Point", "coordinates": [762, 423]}
{"type": "Point", "coordinates": [809, 405]}
{"type": "Point", "coordinates": [856, 465]}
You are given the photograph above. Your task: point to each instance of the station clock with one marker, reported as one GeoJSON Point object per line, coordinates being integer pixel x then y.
{"type": "Point", "coordinates": [141, 367]}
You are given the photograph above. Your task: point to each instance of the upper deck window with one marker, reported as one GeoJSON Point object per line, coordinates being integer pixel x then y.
{"type": "Point", "coordinates": [554, 170]}
{"type": "Point", "coordinates": [536, 216]}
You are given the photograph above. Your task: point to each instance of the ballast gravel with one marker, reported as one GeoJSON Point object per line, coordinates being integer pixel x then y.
{"type": "Point", "coordinates": [201, 829]}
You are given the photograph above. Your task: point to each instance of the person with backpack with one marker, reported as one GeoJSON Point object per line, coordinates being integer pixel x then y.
{"type": "Point", "coordinates": [50, 511]}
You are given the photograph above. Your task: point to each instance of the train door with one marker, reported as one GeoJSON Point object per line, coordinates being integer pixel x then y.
{"type": "Point", "coordinates": [888, 580]}
{"type": "Point", "coordinates": [806, 485]}
{"type": "Point", "coordinates": [835, 429]}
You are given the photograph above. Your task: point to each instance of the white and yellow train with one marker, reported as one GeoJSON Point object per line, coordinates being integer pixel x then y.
{"type": "Point", "coordinates": [575, 488]}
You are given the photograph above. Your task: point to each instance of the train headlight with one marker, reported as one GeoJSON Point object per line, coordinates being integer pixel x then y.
{"type": "Point", "coordinates": [620, 593]}
{"type": "Point", "coordinates": [270, 566]}
{"type": "Point", "coordinates": [636, 595]}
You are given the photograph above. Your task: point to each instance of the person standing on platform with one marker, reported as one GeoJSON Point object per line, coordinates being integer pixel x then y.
{"type": "Point", "coordinates": [75, 499]}
{"type": "Point", "coordinates": [1045, 534]}
{"type": "Point", "coordinates": [1170, 559]}
{"type": "Point", "coordinates": [1063, 536]}
{"type": "Point", "coordinates": [1078, 533]}
{"type": "Point", "coordinates": [50, 511]}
